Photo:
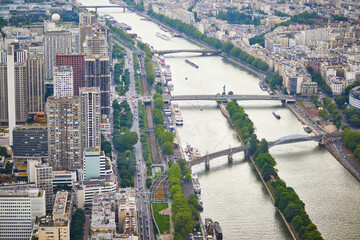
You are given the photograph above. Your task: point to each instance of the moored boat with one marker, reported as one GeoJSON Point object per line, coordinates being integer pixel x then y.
{"type": "Point", "coordinates": [218, 230]}
{"type": "Point", "coordinates": [196, 184]}
{"type": "Point", "coordinates": [191, 63]}
{"type": "Point", "coordinates": [162, 36]}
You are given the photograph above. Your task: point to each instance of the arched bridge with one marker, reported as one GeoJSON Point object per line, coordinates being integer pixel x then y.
{"type": "Point", "coordinates": [284, 140]}
{"type": "Point", "coordinates": [227, 98]}
{"type": "Point", "coordinates": [202, 51]}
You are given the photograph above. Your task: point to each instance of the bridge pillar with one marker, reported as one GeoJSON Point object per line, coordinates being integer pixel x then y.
{"type": "Point", "coordinates": [283, 102]}
{"type": "Point", "coordinates": [207, 162]}
{"type": "Point", "coordinates": [230, 156]}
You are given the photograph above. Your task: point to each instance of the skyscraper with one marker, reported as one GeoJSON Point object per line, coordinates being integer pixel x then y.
{"type": "Point", "coordinates": [84, 30]}
{"type": "Point", "coordinates": [13, 87]}
{"type": "Point", "coordinates": [35, 84]}
{"type": "Point", "coordinates": [97, 74]}
{"type": "Point", "coordinates": [77, 62]}
{"type": "Point", "coordinates": [63, 81]}
{"type": "Point", "coordinates": [64, 133]}
{"type": "Point", "coordinates": [90, 117]}
{"type": "Point", "coordinates": [55, 42]}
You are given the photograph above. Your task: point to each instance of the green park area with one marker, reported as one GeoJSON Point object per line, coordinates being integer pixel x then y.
{"type": "Point", "coordinates": [163, 221]}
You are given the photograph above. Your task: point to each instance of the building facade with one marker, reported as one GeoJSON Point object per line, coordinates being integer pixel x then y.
{"type": "Point", "coordinates": [90, 117]}
{"type": "Point", "coordinates": [91, 166]}
{"type": "Point", "coordinates": [55, 42]}
{"type": "Point", "coordinates": [43, 181]}
{"type": "Point", "coordinates": [354, 97]}
{"type": "Point", "coordinates": [64, 133]}
{"type": "Point", "coordinates": [97, 74]}
{"type": "Point", "coordinates": [30, 141]}
{"type": "Point", "coordinates": [18, 211]}
{"type": "Point", "coordinates": [35, 84]}
{"type": "Point", "coordinates": [63, 81]}
{"type": "Point", "coordinates": [76, 61]}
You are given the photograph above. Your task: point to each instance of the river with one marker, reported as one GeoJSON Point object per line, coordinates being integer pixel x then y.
{"type": "Point", "coordinates": [232, 193]}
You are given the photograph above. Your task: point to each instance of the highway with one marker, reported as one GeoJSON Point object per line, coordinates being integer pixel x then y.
{"type": "Point", "coordinates": [145, 228]}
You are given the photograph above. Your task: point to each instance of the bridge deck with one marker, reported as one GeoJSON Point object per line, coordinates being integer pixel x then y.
{"type": "Point", "coordinates": [281, 141]}
{"type": "Point", "coordinates": [225, 97]}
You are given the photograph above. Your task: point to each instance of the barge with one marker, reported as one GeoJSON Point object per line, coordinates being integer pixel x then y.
{"type": "Point", "coordinates": [191, 63]}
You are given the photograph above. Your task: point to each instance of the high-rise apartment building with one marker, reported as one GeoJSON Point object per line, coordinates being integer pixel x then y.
{"type": "Point", "coordinates": [43, 181]}
{"type": "Point", "coordinates": [35, 84]}
{"type": "Point", "coordinates": [63, 81]}
{"type": "Point", "coordinates": [77, 62]}
{"type": "Point", "coordinates": [13, 87]}
{"type": "Point", "coordinates": [18, 211]}
{"type": "Point", "coordinates": [64, 133]}
{"type": "Point", "coordinates": [90, 117]}
{"type": "Point", "coordinates": [55, 42]}
{"type": "Point", "coordinates": [97, 74]}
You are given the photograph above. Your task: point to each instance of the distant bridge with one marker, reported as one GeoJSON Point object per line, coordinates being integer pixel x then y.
{"type": "Point", "coordinates": [202, 51]}
{"type": "Point", "coordinates": [227, 98]}
{"type": "Point", "coordinates": [322, 139]}
{"type": "Point", "coordinates": [103, 6]}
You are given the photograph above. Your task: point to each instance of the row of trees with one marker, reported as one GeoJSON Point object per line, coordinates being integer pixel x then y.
{"type": "Point", "coordinates": [333, 111]}
{"type": "Point", "coordinates": [120, 33]}
{"type": "Point", "coordinates": [294, 212]}
{"type": "Point", "coordinates": [184, 211]}
{"type": "Point", "coordinates": [351, 139]}
{"type": "Point", "coordinates": [126, 163]}
{"type": "Point", "coordinates": [123, 118]}
{"type": "Point", "coordinates": [165, 138]}
{"type": "Point", "coordinates": [118, 52]}
{"type": "Point", "coordinates": [123, 87]}
{"type": "Point", "coordinates": [242, 55]}
{"type": "Point", "coordinates": [77, 224]}
{"type": "Point", "coordinates": [285, 198]}
{"type": "Point", "coordinates": [145, 48]}
{"type": "Point", "coordinates": [241, 121]}
{"type": "Point", "coordinates": [144, 139]}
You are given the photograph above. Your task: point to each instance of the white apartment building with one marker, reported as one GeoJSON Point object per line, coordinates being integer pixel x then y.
{"type": "Point", "coordinates": [84, 191]}
{"type": "Point", "coordinates": [90, 117]}
{"type": "Point", "coordinates": [18, 210]}
{"type": "Point", "coordinates": [63, 81]}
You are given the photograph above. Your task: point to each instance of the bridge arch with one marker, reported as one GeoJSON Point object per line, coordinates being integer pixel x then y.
{"type": "Point", "coordinates": [294, 138]}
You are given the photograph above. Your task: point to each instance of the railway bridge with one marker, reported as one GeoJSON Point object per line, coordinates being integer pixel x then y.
{"type": "Point", "coordinates": [321, 139]}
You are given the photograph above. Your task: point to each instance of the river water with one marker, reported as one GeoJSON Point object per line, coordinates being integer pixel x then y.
{"type": "Point", "coordinates": [232, 193]}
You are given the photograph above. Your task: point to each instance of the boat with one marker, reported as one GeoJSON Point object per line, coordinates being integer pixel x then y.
{"type": "Point", "coordinates": [307, 129]}
{"type": "Point", "coordinates": [124, 26]}
{"type": "Point", "coordinates": [276, 115]}
{"type": "Point", "coordinates": [191, 63]}
{"type": "Point", "coordinates": [218, 230]}
{"type": "Point", "coordinates": [196, 184]}
{"type": "Point", "coordinates": [145, 19]}
{"type": "Point", "coordinates": [209, 226]}
{"type": "Point", "coordinates": [263, 85]}
{"type": "Point", "coordinates": [178, 115]}
{"type": "Point", "coordinates": [162, 36]}
{"type": "Point", "coordinates": [165, 29]}
{"type": "Point", "coordinates": [196, 153]}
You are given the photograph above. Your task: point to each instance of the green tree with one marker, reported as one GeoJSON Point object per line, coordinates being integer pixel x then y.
{"type": "Point", "coordinates": [159, 103]}
{"type": "Point", "coordinates": [182, 164]}
{"type": "Point", "coordinates": [167, 148]}
{"type": "Point", "coordinates": [158, 116]}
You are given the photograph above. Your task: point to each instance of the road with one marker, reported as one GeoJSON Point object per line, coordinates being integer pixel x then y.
{"type": "Point", "coordinates": [145, 228]}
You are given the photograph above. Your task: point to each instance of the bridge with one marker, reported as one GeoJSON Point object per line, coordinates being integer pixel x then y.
{"type": "Point", "coordinates": [321, 139]}
{"type": "Point", "coordinates": [228, 98]}
{"type": "Point", "coordinates": [103, 6]}
{"type": "Point", "coordinates": [202, 51]}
